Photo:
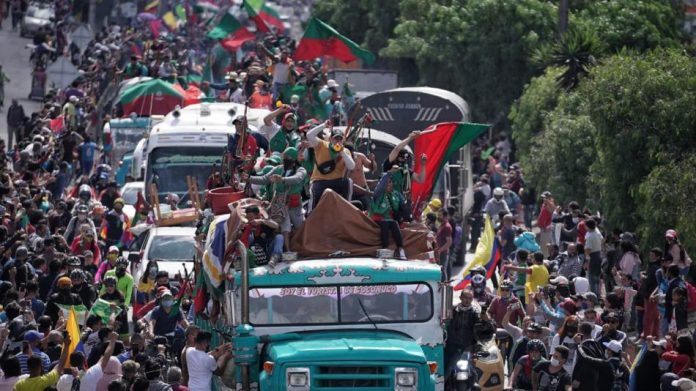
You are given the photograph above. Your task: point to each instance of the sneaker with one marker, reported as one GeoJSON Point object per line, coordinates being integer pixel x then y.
{"type": "Point", "coordinates": [273, 262]}
{"type": "Point", "coordinates": [402, 254]}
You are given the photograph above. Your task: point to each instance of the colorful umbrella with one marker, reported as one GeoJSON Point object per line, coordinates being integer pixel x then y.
{"type": "Point", "coordinates": [151, 97]}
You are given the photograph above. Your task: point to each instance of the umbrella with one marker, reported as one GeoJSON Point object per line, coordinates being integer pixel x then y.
{"type": "Point", "coordinates": [151, 97]}
{"type": "Point", "coordinates": [146, 17]}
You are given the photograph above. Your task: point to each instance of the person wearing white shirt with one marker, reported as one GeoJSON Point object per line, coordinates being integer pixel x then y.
{"type": "Point", "coordinates": [202, 365]}
{"type": "Point", "coordinates": [91, 378]}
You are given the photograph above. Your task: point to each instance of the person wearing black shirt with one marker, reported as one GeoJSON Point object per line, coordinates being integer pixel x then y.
{"type": "Point", "coordinates": [550, 375]}
{"type": "Point", "coordinates": [476, 216]}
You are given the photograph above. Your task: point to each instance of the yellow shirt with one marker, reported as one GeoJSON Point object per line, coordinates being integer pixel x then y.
{"type": "Point", "coordinates": [38, 383]}
{"type": "Point", "coordinates": [146, 288]}
{"type": "Point", "coordinates": [321, 155]}
{"type": "Point", "coordinates": [538, 278]}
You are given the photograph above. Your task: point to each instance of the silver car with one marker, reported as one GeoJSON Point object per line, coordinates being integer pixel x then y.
{"type": "Point", "coordinates": [36, 17]}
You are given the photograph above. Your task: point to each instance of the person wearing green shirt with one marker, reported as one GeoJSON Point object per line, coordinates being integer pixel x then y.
{"type": "Point", "coordinates": [124, 280]}
{"type": "Point", "coordinates": [37, 381]}
{"type": "Point", "coordinates": [386, 201]}
{"type": "Point", "coordinates": [280, 137]}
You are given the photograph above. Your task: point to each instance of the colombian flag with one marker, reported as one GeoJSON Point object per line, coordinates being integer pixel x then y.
{"type": "Point", "coordinates": [487, 255]}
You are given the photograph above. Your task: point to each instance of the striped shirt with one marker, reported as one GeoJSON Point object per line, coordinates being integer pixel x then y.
{"type": "Point", "coordinates": [23, 357]}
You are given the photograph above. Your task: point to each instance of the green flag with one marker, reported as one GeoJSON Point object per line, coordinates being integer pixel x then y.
{"type": "Point", "coordinates": [80, 312]}
{"type": "Point", "coordinates": [102, 309]}
{"type": "Point", "coordinates": [227, 25]}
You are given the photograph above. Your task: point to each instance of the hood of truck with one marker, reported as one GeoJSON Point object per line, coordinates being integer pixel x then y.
{"type": "Point", "coordinates": [347, 345]}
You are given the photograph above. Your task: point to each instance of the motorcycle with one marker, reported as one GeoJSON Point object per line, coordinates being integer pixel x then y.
{"type": "Point", "coordinates": [483, 368]}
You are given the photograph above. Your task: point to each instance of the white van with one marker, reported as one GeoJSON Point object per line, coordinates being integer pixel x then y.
{"type": "Point", "coordinates": [190, 141]}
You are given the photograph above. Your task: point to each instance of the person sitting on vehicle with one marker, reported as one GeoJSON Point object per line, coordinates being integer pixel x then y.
{"type": "Point", "coordinates": [460, 330]}
{"type": "Point", "coordinates": [134, 68]}
{"type": "Point", "coordinates": [521, 377]}
{"type": "Point", "coordinates": [286, 181]}
{"type": "Point", "coordinates": [260, 235]}
{"type": "Point", "coordinates": [383, 208]}
{"type": "Point", "coordinates": [478, 286]}
{"type": "Point", "coordinates": [164, 318]}
{"type": "Point", "coordinates": [76, 223]}
{"type": "Point", "coordinates": [63, 297]}
{"type": "Point", "coordinates": [110, 263]}
{"type": "Point", "coordinates": [124, 280]}
{"type": "Point", "coordinates": [550, 375]}
{"type": "Point", "coordinates": [332, 161]}
{"type": "Point", "coordinates": [146, 284]}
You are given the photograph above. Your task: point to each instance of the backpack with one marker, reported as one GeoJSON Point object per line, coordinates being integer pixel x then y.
{"type": "Point", "coordinates": [691, 295]}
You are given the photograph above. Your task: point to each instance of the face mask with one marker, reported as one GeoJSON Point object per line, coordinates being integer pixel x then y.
{"type": "Point", "coordinates": [153, 271]}
{"type": "Point", "coordinates": [571, 330]}
{"type": "Point", "coordinates": [555, 362]}
{"type": "Point", "coordinates": [575, 220]}
{"type": "Point", "coordinates": [120, 272]}
{"type": "Point", "coordinates": [288, 162]}
{"type": "Point", "coordinates": [65, 290]}
{"type": "Point", "coordinates": [167, 303]}
{"type": "Point", "coordinates": [584, 306]}
{"type": "Point", "coordinates": [478, 289]}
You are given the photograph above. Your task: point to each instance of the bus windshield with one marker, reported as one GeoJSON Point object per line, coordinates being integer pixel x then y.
{"type": "Point", "coordinates": [168, 167]}
{"type": "Point", "coordinates": [301, 305]}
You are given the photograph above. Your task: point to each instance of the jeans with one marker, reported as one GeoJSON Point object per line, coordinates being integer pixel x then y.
{"type": "Point", "coordinates": [664, 326]}
{"type": "Point", "coordinates": [446, 265]}
{"type": "Point", "coordinates": [594, 283]}
{"type": "Point", "coordinates": [528, 213]}
{"type": "Point", "coordinates": [476, 226]}
{"type": "Point", "coordinates": [340, 186]}
{"type": "Point", "coordinates": [275, 246]}
{"type": "Point", "coordinates": [276, 89]}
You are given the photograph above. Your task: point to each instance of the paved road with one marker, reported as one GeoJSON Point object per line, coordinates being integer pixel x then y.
{"type": "Point", "coordinates": [14, 58]}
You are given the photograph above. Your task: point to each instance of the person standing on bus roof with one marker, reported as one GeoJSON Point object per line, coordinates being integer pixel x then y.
{"type": "Point", "coordinates": [402, 173]}
{"type": "Point", "coordinates": [331, 162]}
{"type": "Point", "coordinates": [280, 137]}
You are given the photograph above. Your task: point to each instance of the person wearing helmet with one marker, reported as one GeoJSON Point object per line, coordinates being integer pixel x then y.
{"type": "Point", "coordinates": [500, 304]}
{"type": "Point", "coordinates": [433, 206]}
{"type": "Point", "coordinates": [478, 286]}
{"type": "Point", "coordinates": [521, 378]}
{"type": "Point", "coordinates": [86, 241]}
{"type": "Point", "coordinates": [679, 256]}
{"type": "Point", "coordinates": [82, 287]}
{"type": "Point", "coordinates": [124, 284]}
{"type": "Point", "coordinates": [285, 184]}
{"type": "Point", "coordinates": [115, 225]}
{"type": "Point", "coordinates": [496, 205]}
{"type": "Point", "coordinates": [112, 256]}
{"type": "Point", "coordinates": [81, 216]}
{"type": "Point", "coordinates": [62, 298]}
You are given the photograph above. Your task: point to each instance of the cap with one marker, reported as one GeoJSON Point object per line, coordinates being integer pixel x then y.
{"type": "Point", "coordinates": [73, 98]}
{"type": "Point", "coordinates": [535, 327]}
{"type": "Point", "coordinates": [331, 83]}
{"type": "Point", "coordinates": [288, 116]}
{"type": "Point", "coordinates": [291, 153]}
{"type": "Point", "coordinates": [274, 160]}
{"type": "Point", "coordinates": [546, 194]}
{"type": "Point", "coordinates": [73, 261]}
{"type": "Point", "coordinates": [64, 282]}
{"type": "Point", "coordinates": [113, 249]}
{"type": "Point", "coordinates": [21, 251]}
{"type": "Point", "coordinates": [684, 384]}
{"type": "Point", "coordinates": [671, 234]}
{"type": "Point", "coordinates": [119, 201]}
{"type": "Point", "coordinates": [559, 280]}
{"type": "Point", "coordinates": [589, 296]}
{"type": "Point", "coordinates": [613, 345]}
{"type": "Point", "coordinates": [33, 336]}
{"type": "Point", "coordinates": [336, 133]}
{"type": "Point", "coordinates": [611, 315]}
{"type": "Point", "coordinates": [294, 99]}
{"type": "Point", "coordinates": [165, 293]}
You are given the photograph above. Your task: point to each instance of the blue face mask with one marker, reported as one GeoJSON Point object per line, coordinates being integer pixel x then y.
{"type": "Point", "coordinates": [167, 303]}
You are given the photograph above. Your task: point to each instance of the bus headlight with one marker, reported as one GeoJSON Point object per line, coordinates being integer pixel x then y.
{"type": "Point", "coordinates": [297, 378]}
{"type": "Point", "coordinates": [406, 378]}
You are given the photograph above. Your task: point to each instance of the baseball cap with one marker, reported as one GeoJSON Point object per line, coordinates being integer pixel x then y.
{"type": "Point", "coordinates": [535, 327]}
{"type": "Point", "coordinates": [684, 384]}
{"type": "Point", "coordinates": [113, 249]}
{"type": "Point", "coordinates": [33, 336]}
{"type": "Point", "coordinates": [613, 345]}
{"type": "Point", "coordinates": [589, 296]}
{"type": "Point", "coordinates": [166, 293]}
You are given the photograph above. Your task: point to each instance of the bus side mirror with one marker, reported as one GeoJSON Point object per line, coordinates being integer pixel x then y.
{"type": "Point", "coordinates": [447, 293]}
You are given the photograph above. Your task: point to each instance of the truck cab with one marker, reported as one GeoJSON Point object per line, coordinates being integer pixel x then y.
{"type": "Point", "coordinates": [351, 323]}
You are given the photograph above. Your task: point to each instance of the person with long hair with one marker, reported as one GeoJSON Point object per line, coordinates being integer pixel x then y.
{"type": "Point", "coordinates": [681, 356]}
{"type": "Point", "coordinates": [674, 247]}
{"type": "Point", "coordinates": [566, 337]}
{"type": "Point", "coordinates": [146, 284]}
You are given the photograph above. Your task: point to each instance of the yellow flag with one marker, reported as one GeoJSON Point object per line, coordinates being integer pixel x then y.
{"type": "Point", "coordinates": [170, 20]}
{"type": "Point", "coordinates": [73, 330]}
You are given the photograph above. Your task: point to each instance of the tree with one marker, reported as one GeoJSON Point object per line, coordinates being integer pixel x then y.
{"type": "Point", "coordinates": [634, 24]}
{"type": "Point", "coordinates": [561, 157]}
{"type": "Point", "coordinates": [642, 108]}
{"type": "Point", "coordinates": [528, 113]}
{"type": "Point", "coordinates": [478, 49]}
{"type": "Point", "coordinates": [667, 201]}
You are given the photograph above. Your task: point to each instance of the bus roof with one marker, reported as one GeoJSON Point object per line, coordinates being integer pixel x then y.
{"type": "Point", "coordinates": [342, 271]}
{"type": "Point", "coordinates": [208, 117]}
{"type": "Point", "coordinates": [439, 92]}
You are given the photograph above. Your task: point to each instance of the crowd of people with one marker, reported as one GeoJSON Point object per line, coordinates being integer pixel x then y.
{"type": "Point", "coordinates": [587, 311]}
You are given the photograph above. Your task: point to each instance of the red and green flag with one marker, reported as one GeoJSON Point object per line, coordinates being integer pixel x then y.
{"type": "Point", "coordinates": [321, 39]}
{"type": "Point", "coordinates": [231, 33]}
{"type": "Point", "coordinates": [438, 142]}
{"type": "Point", "coordinates": [263, 15]}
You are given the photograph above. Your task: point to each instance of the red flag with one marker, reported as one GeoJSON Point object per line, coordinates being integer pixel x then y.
{"type": "Point", "coordinates": [234, 41]}
{"type": "Point", "coordinates": [438, 143]}
{"type": "Point", "coordinates": [56, 125]}
{"type": "Point", "coordinates": [155, 27]}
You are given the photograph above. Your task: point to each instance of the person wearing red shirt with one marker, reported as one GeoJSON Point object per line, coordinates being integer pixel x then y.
{"type": "Point", "coordinates": [682, 356]}
{"type": "Point", "coordinates": [443, 239]}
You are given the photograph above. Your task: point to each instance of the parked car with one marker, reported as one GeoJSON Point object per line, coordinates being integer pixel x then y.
{"type": "Point", "coordinates": [36, 17]}
{"type": "Point", "coordinates": [172, 247]}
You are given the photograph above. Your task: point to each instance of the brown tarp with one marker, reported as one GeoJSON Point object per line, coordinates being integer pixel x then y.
{"type": "Point", "coordinates": [336, 225]}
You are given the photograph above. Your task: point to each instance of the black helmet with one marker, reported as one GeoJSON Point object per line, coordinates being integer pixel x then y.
{"type": "Point", "coordinates": [121, 261]}
{"type": "Point", "coordinates": [478, 270]}
{"type": "Point", "coordinates": [110, 280]}
{"type": "Point", "coordinates": [77, 273]}
{"type": "Point", "coordinates": [484, 331]}
{"type": "Point", "coordinates": [535, 345]}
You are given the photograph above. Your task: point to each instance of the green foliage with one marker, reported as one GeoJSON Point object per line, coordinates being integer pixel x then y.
{"type": "Point", "coordinates": [642, 109]}
{"type": "Point", "coordinates": [478, 49]}
{"type": "Point", "coordinates": [561, 157]}
{"type": "Point", "coordinates": [634, 24]}
{"type": "Point", "coordinates": [527, 115]}
{"type": "Point", "coordinates": [667, 201]}
{"type": "Point", "coordinates": [575, 53]}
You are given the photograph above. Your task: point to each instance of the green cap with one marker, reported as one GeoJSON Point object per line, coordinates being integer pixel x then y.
{"type": "Point", "coordinates": [274, 160]}
{"type": "Point", "coordinates": [290, 153]}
